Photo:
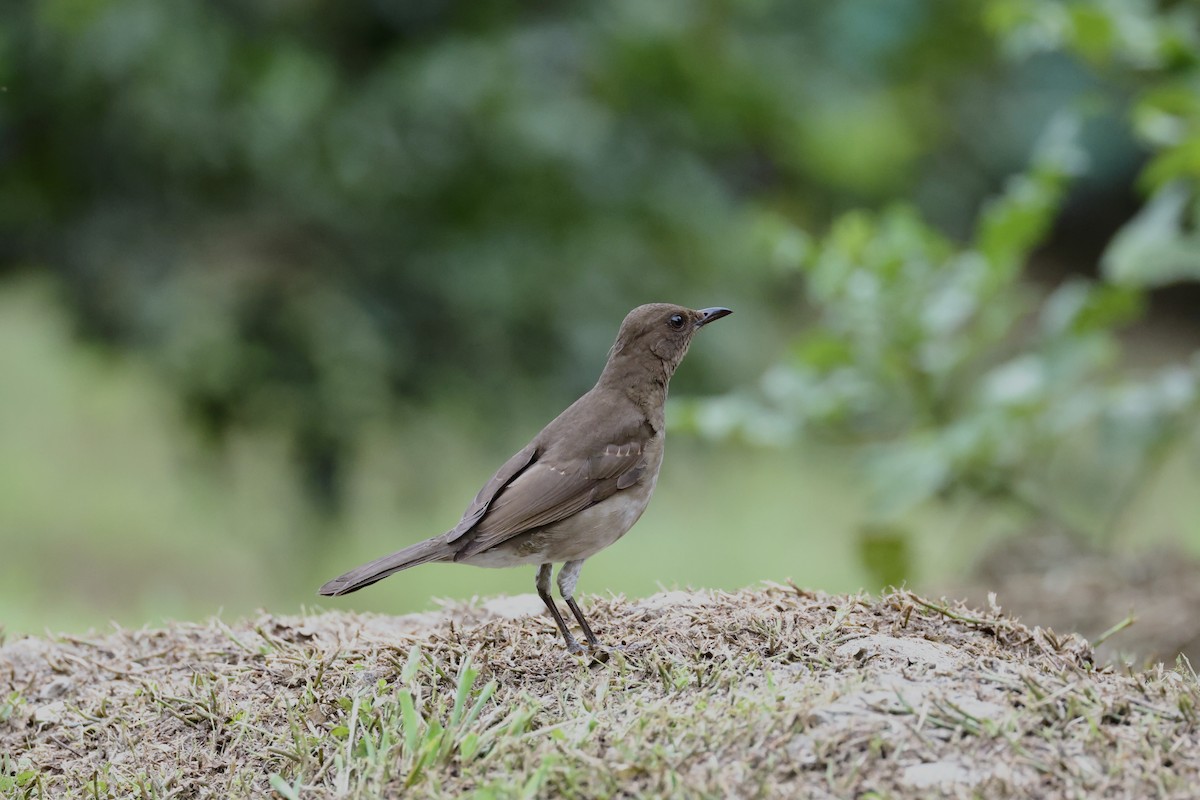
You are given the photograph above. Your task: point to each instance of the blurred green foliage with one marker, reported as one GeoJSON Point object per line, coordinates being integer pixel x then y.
{"type": "Point", "coordinates": [377, 245]}
{"type": "Point", "coordinates": [307, 215]}
{"type": "Point", "coordinates": [949, 370]}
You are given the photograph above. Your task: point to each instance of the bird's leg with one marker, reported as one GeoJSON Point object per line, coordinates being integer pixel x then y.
{"type": "Point", "coordinates": [568, 576]}
{"type": "Point", "coordinates": [543, 590]}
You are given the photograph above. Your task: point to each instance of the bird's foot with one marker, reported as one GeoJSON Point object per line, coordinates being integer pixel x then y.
{"type": "Point", "coordinates": [603, 652]}
{"type": "Point", "coordinates": [593, 651]}
{"type": "Point", "coordinates": [599, 653]}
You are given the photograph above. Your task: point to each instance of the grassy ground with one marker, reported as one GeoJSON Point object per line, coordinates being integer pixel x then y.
{"type": "Point", "coordinates": [773, 692]}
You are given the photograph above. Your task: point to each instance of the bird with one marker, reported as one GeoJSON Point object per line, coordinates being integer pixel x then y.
{"type": "Point", "coordinates": [580, 484]}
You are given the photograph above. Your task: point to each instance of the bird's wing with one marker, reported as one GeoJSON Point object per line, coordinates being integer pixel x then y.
{"type": "Point", "coordinates": [511, 469]}
{"type": "Point", "coordinates": [546, 492]}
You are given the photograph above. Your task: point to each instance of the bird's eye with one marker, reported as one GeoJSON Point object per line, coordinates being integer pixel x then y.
{"type": "Point", "coordinates": [676, 321]}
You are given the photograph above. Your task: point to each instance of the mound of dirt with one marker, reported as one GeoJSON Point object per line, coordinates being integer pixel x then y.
{"type": "Point", "coordinates": [1071, 585]}
{"type": "Point", "coordinates": [774, 692]}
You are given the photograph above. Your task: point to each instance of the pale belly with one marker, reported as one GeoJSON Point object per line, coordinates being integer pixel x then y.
{"type": "Point", "coordinates": [575, 538]}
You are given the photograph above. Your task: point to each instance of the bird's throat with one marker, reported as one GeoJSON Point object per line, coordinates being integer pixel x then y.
{"type": "Point", "coordinates": [643, 380]}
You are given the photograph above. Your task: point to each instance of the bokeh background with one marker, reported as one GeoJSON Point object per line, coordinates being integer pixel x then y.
{"type": "Point", "coordinates": [281, 284]}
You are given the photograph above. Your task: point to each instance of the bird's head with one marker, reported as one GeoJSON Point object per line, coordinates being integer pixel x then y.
{"type": "Point", "coordinates": [662, 331]}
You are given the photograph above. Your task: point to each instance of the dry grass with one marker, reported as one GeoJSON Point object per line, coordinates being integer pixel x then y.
{"type": "Point", "coordinates": [769, 692]}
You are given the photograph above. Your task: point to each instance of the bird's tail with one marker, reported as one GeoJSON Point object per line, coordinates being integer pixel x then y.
{"type": "Point", "coordinates": [435, 549]}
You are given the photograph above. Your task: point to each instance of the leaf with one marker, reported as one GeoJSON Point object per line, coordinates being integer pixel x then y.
{"type": "Point", "coordinates": [411, 665]}
{"type": "Point", "coordinates": [1017, 221]}
{"type": "Point", "coordinates": [281, 786]}
{"type": "Point", "coordinates": [906, 475]}
{"type": "Point", "coordinates": [484, 695]}
{"type": "Point", "coordinates": [822, 350]}
{"type": "Point", "coordinates": [409, 719]}
{"type": "Point", "coordinates": [466, 679]}
{"type": "Point", "coordinates": [1180, 161]}
{"type": "Point", "coordinates": [1152, 249]}
{"type": "Point", "coordinates": [1093, 34]}
{"type": "Point", "coordinates": [468, 746]}
{"type": "Point", "coordinates": [1021, 381]}
{"type": "Point", "coordinates": [1079, 306]}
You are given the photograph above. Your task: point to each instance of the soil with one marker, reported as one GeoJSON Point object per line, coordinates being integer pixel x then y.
{"type": "Point", "coordinates": [768, 692]}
